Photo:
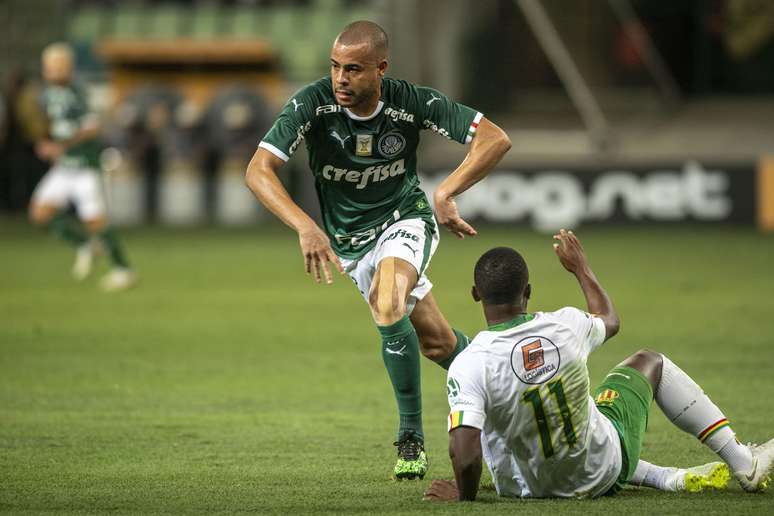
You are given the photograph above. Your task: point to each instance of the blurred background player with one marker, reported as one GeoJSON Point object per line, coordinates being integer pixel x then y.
{"type": "Point", "coordinates": [362, 131]}
{"type": "Point", "coordinates": [73, 149]}
{"type": "Point", "coordinates": [519, 396]}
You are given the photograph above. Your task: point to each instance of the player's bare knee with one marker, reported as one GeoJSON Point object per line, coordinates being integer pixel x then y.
{"type": "Point", "coordinates": [648, 362]}
{"type": "Point", "coordinates": [39, 216]}
{"type": "Point", "coordinates": [386, 308]}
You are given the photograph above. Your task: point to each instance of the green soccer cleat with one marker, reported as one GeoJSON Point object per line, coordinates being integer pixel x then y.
{"type": "Point", "coordinates": [412, 460]}
{"type": "Point", "coordinates": [714, 475]}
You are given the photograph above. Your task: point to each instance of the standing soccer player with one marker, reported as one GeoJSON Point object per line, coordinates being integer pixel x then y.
{"type": "Point", "coordinates": [362, 130]}
{"type": "Point", "coordinates": [75, 176]}
{"type": "Point", "coordinates": [519, 397]}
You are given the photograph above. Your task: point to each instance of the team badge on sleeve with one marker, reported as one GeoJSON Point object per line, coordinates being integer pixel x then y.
{"type": "Point", "coordinates": [452, 389]}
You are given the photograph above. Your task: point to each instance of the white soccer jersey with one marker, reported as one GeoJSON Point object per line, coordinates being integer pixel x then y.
{"type": "Point", "coordinates": [526, 386]}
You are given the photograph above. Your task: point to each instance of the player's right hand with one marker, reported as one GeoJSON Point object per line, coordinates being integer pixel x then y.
{"type": "Point", "coordinates": [317, 251]}
{"type": "Point", "coordinates": [570, 251]}
{"type": "Point", "coordinates": [447, 215]}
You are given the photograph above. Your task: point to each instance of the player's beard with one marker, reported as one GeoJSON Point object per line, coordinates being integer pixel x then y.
{"type": "Point", "coordinates": [358, 99]}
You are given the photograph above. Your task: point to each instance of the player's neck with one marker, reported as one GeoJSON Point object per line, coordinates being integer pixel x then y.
{"type": "Point", "coordinates": [367, 107]}
{"type": "Point", "coordinates": [497, 314]}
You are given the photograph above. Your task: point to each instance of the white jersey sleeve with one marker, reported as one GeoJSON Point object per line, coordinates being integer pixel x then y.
{"type": "Point", "coordinates": [466, 392]}
{"type": "Point", "coordinates": [588, 328]}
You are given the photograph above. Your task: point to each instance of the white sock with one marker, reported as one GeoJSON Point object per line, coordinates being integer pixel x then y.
{"type": "Point", "coordinates": [687, 407]}
{"type": "Point", "coordinates": [657, 477]}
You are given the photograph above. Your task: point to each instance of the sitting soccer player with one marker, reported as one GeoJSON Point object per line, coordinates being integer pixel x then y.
{"type": "Point", "coordinates": [519, 397]}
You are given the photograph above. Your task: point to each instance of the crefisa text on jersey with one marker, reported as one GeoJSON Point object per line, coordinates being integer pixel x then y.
{"type": "Point", "coordinates": [375, 174]}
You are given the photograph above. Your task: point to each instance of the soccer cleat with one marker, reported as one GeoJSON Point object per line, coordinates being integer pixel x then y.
{"type": "Point", "coordinates": [84, 261]}
{"type": "Point", "coordinates": [412, 460]}
{"type": "Point", "coordinates": [763, 462]}
{"type": "Point", "coordinates": [714, 475]}
{"type": "Point", "coordinates": [117, 279]}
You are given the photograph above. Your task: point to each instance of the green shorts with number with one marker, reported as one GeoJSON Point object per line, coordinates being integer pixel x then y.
{"type": "Point", "coordinates": [624, 398]}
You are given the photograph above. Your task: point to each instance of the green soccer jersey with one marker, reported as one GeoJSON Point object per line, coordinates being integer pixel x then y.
{"type": "Point", "coordinates": [68, 111]}
{"type": "Point", "coordinates": [365, 168]}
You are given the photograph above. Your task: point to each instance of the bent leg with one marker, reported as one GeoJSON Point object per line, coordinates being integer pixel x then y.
{"type": "Point", "coordinates": [58, 222]}
{"type": "Point", "coordinates": [438, 340]}
{"type": "Point", "coordinates": [686, 405]}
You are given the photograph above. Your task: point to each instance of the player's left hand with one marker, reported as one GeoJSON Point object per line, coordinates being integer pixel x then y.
{"type": "Point", "coordinates": [442, 491]}
{"type": "Point", "coordinates": [446, 213]}
{"type": "Point", "coordinates": [49, 150]}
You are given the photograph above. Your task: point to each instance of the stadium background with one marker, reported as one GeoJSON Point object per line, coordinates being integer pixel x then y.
{"type": "Point", "coordinates": [227, 381]}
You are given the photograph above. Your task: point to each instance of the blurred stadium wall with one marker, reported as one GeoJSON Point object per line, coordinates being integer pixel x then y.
{"type": "Point", "coordinates": [620, 111]}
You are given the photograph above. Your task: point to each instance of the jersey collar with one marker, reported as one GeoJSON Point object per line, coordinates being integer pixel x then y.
{"type": "Point", "coordinates": [353, 116]}
{"type": "Point", "coordinates": [507, 325]}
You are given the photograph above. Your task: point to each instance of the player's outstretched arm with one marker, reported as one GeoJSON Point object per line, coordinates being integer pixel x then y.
{"type": "Point", "coordinates": [570, 252]}
{"type": "Point", "coordinates": [261, 178]}
{"type": "Point", "coordinates": [465, 453]}
{"type": "Point", "coordinates": [487, 149]}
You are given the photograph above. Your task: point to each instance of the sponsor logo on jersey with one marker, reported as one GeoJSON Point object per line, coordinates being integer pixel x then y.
{"type": "Point", "coordinates": [401, 115]}
{"type": "Point", "coordinates": [300, 132]}
{"type": "Point", "coordinates": [433, 98]}
{"type": "Point", "coordinates": [391, 144]}
{"type": "Point", "coordinates": [401, 233]}
{"type": "Point", "coordinates": [296, 104]}
{"type": "Point", "coordinates": [535, 360]}
{"type": "Point", "coordinates": [327, 109]}
{"type": "Point", "coordinates": [532, 355]}
{"type": "Point", "coordinates": [429, 124]}
{"type": "Point", "coordinates": [363, 177]}
{"type": "Point", "coordinates": [364, 144]}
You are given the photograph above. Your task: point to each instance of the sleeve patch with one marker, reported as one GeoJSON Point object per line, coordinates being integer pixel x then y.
{"type": "Point", "coordinates": [473, 127]}
{"type": "Point", "coordinates": [455, 419]}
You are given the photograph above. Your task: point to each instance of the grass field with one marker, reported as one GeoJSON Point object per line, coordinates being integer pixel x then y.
{"type": "Point", "coordinates": [229, 382]}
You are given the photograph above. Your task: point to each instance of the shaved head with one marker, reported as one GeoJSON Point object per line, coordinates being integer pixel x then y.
{"type": "Point", "coordinates": [58, 61]}
{"type": "Point", "coordinates": [365, 32]}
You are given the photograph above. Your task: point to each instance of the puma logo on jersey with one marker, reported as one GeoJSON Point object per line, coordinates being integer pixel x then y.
{"type": "Point", "coordinates": [411, 248]}
{"type": "Point", "coordinates": [433, 98]}
{"type": "Point", "coordinates": [296, 105]}
{"type": "Point", "coordinates": [339, 138]}
{"type": "Point", "coordinates": [362, 178]}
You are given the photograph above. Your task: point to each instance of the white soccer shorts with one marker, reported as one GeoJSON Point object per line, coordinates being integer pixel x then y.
{"type": "Point", "coordinates": [81, 186]}
{"type": "Point", "coordinates": [412, 240]}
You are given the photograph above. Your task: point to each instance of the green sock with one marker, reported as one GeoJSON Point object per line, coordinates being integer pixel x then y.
{"type": "Point", "coordinates": [111, 243]}
{"type": "Point", "coordinates": [400, 351]}
{"type": "Point", "coordinates": [462, 343]}
{"type": "Point", "coordinates": [63, 226]}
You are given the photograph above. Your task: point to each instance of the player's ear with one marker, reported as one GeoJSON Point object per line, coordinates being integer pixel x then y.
{"type": "Point", "coordinates": [527, 291]}
{"type": "Point", "coordinates": [382, 67]}
{"type": "Point", "coordinates": [474, 293]}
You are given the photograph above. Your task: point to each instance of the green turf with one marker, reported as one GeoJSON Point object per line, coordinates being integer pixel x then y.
{"type": "Point", "coordinates": [229, 382]}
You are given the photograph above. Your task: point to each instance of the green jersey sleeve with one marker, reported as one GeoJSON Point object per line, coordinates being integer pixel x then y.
{"type": "Point", "coordinates": [292, 124]}
{"type": "Point", "coordinates": [442, 115]}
